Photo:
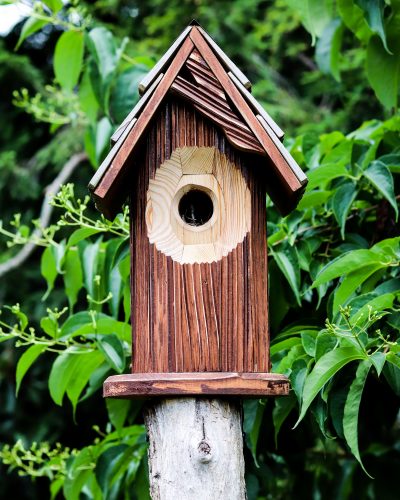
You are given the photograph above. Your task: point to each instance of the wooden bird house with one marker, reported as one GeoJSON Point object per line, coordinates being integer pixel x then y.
{"type": "Point", "coordinates": [195, 158]}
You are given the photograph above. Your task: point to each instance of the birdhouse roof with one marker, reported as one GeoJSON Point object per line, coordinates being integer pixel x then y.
{"type": "Point", "coordinates": [198, 71]}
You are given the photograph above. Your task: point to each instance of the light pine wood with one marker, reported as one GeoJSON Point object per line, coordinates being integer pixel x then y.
{"type": "Point", "coordinates": [195, 450]}
{"type": "Point", "coordinates": [205, 169]}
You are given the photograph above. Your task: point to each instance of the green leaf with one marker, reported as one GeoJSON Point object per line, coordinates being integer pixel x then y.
{"type": "Point", "coordinates": [344, 264]}
{"type": "Point", "coordinates": [350, 283]}
{"type": "Point", "coordinates": [81, 234]}
{"type": "Point", "coordinates": [325, 368]}
{"type": "Point", "coordinates": [381, 178]}
{"type": "Point", "coordinates": [82, 370]}
{"type": "Point", "coordinates": [284, 345]}
{"type": "Point", "coordinates": [125, 95]}
{"type": "Point", "coordinates": [384, 301]}
{"type": "Point", "coordinates": [113, 350]}
{"type": "Point", "coordinates": [353, 18]}
{"type": "Point", "coordinates": [80, 474]}
{"type": "Point", "coordinates": [253, 414]}
{"type": "Point", "coordinates": [374, 14]}
{"type": "Point", "coordinates": [103, 47]}
{"type": "Point", "coordinates": [118, 410]}
{"type": "Point", "coordinates": [320, 176]}
{"type": "Point", "coordinates": [341, 204]}
{"type": "Point", "coordinates": [87, 99]}
{"type": "Point", "coordinates": [352, 407]}
{"type": "Point", "coordinates": [314, 199]}
{"type": "Point", "coordinates": [378, 359]}
{"type": "Point", "coordinates": [286, 259]}
{"type": "Point", "coordinates": [104, 50]}
{"type": "Point", "coordinates": [26, 361]}
{"type": "Point", "coordinates": [391, 372]}
{"type": "Point", "coordinates": [324, 343]}
{"type": "Point", "coordinates": [54, 5]}
{"type": "Point", "coordinates": [73, 279]}
{"type": "Point", "coordinates": [283, 406]}
{"type": "Point", "coordinates": [314, 15]}
{"type": "Point", "coordinates": [48, 268]}
{"type": "Point", "coordinates": [103, 134]}
{"type": "Point", "coordinates": [328, 47]}
{"type": "Point", "coordinates": [30, 27]}
{"type": "Point", "coordinates": [68, 57]}
{"type": "Point", "coordinates": [62, 372]}
{"type": "Point", "coordinates": [383, 71]}
{"type": "Point", "coordinates": [89, 259]}
{"type": "Point", "coordinates": [308, 342]}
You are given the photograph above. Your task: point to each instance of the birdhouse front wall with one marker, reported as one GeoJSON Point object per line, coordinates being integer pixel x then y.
{"type": "Point", "coordinates": [199, 281]}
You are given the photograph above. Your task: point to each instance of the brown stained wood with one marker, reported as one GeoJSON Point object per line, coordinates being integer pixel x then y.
{"type": "Point", "coordinates": [103, 191]}
{"type": "Point", "coordinates": [278, 162]}
{"type": "Point", "coordinates": [211, 106]}
{"type": "Point", "coordinates": [230, 65]}
{"type": "Point", "coordinates": [257, 108]}
{"type": "Point", "coordinates": [198, 317]}
{"type": "Point", "coordinates": [141, 385]}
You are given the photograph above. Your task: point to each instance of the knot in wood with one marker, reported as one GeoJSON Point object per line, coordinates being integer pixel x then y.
{"type": "Point", "coordinates": [204, 450]}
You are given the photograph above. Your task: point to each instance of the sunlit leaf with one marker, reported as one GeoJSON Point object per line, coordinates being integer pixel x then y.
{"type": "Point", "coordinates": [68, 57]}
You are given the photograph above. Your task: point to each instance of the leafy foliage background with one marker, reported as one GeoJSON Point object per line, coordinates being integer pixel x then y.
{"type": "Point", "coordinates": [328, 72]}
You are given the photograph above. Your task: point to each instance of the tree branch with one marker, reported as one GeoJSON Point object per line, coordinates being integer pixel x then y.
{"type": "Point", "coordinates": [45, 212]}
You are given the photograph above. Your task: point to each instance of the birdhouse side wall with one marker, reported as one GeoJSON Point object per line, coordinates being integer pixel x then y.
{"type": "Point", "coordinates": [197, 317]}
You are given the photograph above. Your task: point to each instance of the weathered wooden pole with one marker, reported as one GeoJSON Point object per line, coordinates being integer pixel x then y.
{"type": "Point", "coordinates": [196, 157]}
{"type": "Point", "coordinates": [195, 449]}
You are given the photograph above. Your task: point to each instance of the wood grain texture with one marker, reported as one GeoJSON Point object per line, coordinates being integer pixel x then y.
{"type": "Point", "coordinates": [203, 169]}
{"type": "Point", "coordinates": [201, 457]}
{"type": "Point", "coordinates": [202, 317]}
{"type": "Point", "coordinates": [283, 169]}
{"type": "Point", "coordinates": [139, 385]}
{"type": "Point", "coordinates": [208, 97]}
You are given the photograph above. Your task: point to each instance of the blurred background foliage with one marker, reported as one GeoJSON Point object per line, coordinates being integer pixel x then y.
{"type": "Point", "coordinates": [328, 72]}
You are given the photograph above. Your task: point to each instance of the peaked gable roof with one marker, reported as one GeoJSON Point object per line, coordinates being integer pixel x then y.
{"type": "Point", "coordinates": [197, 70]}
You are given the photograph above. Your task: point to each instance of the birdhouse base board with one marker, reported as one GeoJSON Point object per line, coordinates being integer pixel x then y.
{"type": "Point", "coordinates": [139, 385]}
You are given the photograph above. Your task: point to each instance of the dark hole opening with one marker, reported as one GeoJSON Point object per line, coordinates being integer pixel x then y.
{"type": "Point", "coordinates": [195, 207]}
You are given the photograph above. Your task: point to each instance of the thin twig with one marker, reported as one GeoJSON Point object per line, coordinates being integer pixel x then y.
{"type": "Point", "coordinates": [45, 212]}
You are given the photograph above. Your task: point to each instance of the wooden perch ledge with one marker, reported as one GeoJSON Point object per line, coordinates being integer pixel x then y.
{"type": "Point", "coordinates": [138, 385]}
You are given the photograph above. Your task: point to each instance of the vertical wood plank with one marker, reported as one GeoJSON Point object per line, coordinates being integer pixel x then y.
{"type": "Point", "coordinates": [201, 317]}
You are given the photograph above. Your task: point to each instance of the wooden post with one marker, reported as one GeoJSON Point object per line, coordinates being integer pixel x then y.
{"type": "Point", "coordinates": [195, 449]}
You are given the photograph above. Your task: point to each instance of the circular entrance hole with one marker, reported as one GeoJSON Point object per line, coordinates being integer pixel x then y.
{"type": "Point", "coordinates": [195, 207]}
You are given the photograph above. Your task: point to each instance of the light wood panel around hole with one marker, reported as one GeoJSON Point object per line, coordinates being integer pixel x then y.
{"type": "Point", "coordinates": [198, 168]}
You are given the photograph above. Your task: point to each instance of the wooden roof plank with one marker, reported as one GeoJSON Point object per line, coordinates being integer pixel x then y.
{"type": "Point", "coordinates": [285, 153]}
{"type": "Point", "coordinates": [95, 180]}
{"type": "Point", "coordinates": [159, 66]}
{"type": "Point", "coordinates": [284, 170]}
{"type": "Point", "coordinates": [257, 106]}
{"type": "Point", "coordinates": [136, 110]}
{"type": "Point", "coordinates": [228, 63]}
{"type": "Point", "coordinates": [123, 154]}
